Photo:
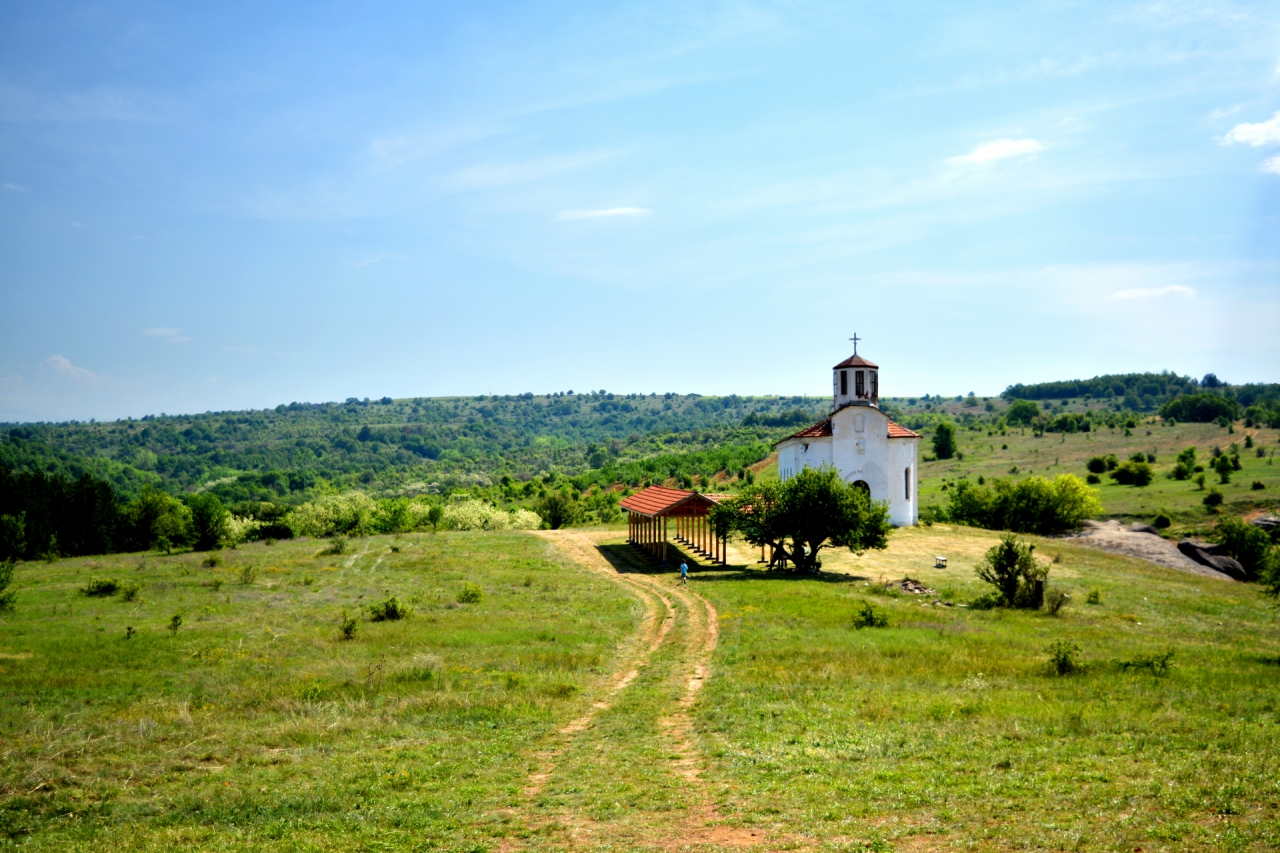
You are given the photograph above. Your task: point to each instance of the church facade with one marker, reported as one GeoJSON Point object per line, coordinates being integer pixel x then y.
{"type": "Point", "coordinates": [860, 442]}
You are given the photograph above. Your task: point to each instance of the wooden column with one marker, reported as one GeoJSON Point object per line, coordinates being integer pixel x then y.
{"type": "Point", "coordinates": [664, 540]}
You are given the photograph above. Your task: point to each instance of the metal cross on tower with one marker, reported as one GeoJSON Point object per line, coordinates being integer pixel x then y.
{"type": "Point", "coordinates": [855, 340]}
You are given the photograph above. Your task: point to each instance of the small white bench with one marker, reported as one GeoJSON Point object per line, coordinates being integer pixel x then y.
{"type": "Point", "coordinates": [939, 562]}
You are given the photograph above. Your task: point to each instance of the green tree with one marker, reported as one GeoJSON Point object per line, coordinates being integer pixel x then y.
{"type": "Point", "coordinates": [1249, 545]}
{"type": "Point", "coordinates": [154, 516]}
{"type": "Point", "coordinates": [208, 521]}
{"type": "Point", "coordinates": [13, 536]}
{"type": "Point", "coordinates": [1033, 505]}
{"type": "Point", "coordinates": [944, 440]}
{"type": "Point", "coordinates": [1222, 465]}
{"type": "Point", "coordinates": [1021, 412]}
{"type": "Point", "coordinates": [809, 512]}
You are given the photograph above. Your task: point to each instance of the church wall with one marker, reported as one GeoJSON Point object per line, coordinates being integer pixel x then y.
{"type": "Point", "coordinates": [795, 455]}
{"type": "Point", "coordinates": [903, 512]}
{"type": "Point", "coordinates": [860, 454]}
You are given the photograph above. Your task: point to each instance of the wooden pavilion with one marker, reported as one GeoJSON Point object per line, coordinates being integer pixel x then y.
{"type": "Point", "coordinates": [649, 515]}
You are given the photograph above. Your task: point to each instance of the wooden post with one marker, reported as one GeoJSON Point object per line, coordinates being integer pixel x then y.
{"type": "Point", "coordinates": [664, 540]}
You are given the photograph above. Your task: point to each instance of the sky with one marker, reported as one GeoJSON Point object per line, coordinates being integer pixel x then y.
{"type": "Point", "coordinates": [231, 206]}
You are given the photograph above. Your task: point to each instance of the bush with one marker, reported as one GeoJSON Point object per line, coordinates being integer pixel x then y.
{"type": "Point", "coordinates": [129, 591]}
{"type": "Point", "coordinates": [1249, 545]}
{"type": "Point", "coordinates": [866, 616]}
{"type": "Point", "coordinates": [1097, 465]}
{"type": "Point", "coordinates": [1033, 505]}
{"type": "Point", "coordinates": [1094, 597]}
{"type": "Point", "coordinates": [1064, 657]}
{"type": "Point", "coordinates": [248, 575]}
{"type": "Point", "coordinates": [1213, 499]}
{"type": "Point", "coordinates": [1012, 569]}
{"type": "Point", "coordinates": [336, 546]}
{"type": "Point", "coordinates": [175, 622]}
{"type": "Point", "coordinates": [101, 588]}
{"type": "Point", "coordinates": [208, 521]}
{"type": "Point", "coordinates": [470, 593]}
{"type": "Point", "coordinates": [1161, 521]}
{"type": "Point", "coordinates": [557, 510]}
{"type": "Point", "coordinates": [1055, 600]}
{"type": "Point", "coordinates": [1093, 479]}
{"type": "Point", "coordinates": [1223, 467]}
{"type": "Point", "coordinates": [388, 610]}
{"type": "Point", "coordinates": [1157, 664]}
{"type": "Point", "coordinates": [7, 596]}
{"type": "Point", "coordinates": [1021, 412]}
{"type": "Point", "coordinates": [348, 626]}
{"type": "Point", "coordinates": [1258, 485]}
{"type": "Point", "coordinates": [1133, 473]}
{"type": "Point", "coordinates": [212, 561]}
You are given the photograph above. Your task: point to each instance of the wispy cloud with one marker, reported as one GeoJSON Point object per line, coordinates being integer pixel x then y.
{"type": "Point", "coordinates": [1257, 133]}
{"type": "Point", "coordinates": [1180, 291]}
{"type": "Point", "coordinates": [999, 149]}
{"type": "Point", "coordinates": [14, 188]}
{"type": "Point", "coordinates": [60, 364]}
{"type": "Point", "coordinates": [606, 213]}
{"type": "Point", "coordinates": [173, 336]}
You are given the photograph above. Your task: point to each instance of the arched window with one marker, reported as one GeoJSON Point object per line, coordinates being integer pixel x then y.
{"type": "Point", "coordinates": [862, 484]}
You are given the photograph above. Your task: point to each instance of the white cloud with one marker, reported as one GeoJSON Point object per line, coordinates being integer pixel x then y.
{"type": "Point", "coordinates": [1258, 133]}
{"type": "Point", "coordinates": [173, 336]}
{"type": "Point", "coordinates": [606, 213]}
{"type": "Point", "coordinates": [1178, 290]}
{"type": "Point", "coordinates": [14, 188]}
{"type": "Point", "coordinates": [1272, 165]}
{"type": "Point", "coordinates": [59, 364]}
{"type": "Point", "coordinates": [998, 149]}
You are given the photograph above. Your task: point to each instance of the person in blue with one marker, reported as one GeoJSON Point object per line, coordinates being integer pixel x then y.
{"type": "Point", "coordinates": [684, 573]}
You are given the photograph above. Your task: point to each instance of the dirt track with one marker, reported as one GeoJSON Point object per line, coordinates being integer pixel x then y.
{"type": "Point", "coordinates": [664, 602]}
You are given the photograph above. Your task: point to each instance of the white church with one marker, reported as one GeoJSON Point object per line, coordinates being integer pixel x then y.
{"type": "Point", "coordinates": [860, 442]}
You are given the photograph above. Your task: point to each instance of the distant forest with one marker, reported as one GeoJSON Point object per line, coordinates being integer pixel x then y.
{"type": "Point", "coordinates": [295, 451]}
{"type": "Point", "coordinates": [1145, 392]}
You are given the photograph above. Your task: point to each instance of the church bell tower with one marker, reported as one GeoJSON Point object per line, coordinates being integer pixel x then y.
{"type": "Point", "coordinates": [855, 381]}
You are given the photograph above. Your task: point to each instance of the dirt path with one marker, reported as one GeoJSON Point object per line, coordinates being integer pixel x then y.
{"type": "Point", "coordinates": [698, 827]}
{"type": "Point", "coordinates": [1116, 538]}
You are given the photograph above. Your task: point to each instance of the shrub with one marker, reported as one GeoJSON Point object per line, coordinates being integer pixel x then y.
{"type": "Point", "coordinates": [101, 588]}
{"type": "Point", "coordinates": [349, 514]}
{"type": "Point", "coordinates": [1094, 597]}
{"type": "Point", "coordinates": [1161, 521]}
{"type": "Point", "coordinates": [175, 622]}
{"type": "Point", "coordinates": [1201, 408]}
{"type": "Point", "coordinates": [1222, 467]}
{"type": "Point", "coordinates": [129, 592]}
{"type": "Point", "coordinates": [208, 521]}
{"type": "Point", "coordinates": [1097, 465]}
{"type": "Point", "coordinates": [866, 616]}
{"type": "Point", "coordinates": [248, 575]}
{"type": "Point", "coordinates": [1133, 473]}
{"type": "Point", "coordinates": [336, 546]}
{"type": "Point", "coordinates": [1021, 412]}
{"type": "Point", "coordinates": [1213, 499]}
{"type": "Point", "coordinates": [1054, 600]}
{"type": "Point", "coordinates": [470, 593]}
{"type": "Point", "coordinates": [348, 626]}
{"type": "Point", "coordinates": [1011, 568]}
{"type": "Point", "coordinates": [557, 510]}
{"type": "Point", "coordinates": [1258, 485]}
{"type": "Point", "coordinates": [1033, 505]}
{"type": "Point", "coordinates": [1093, 479]}
{"type": "Point", "coordinates": [388, 610]}
{"type": "Point", "coordinates": [7, 596]}
{"type": "Point", "coordinates": [212, 561]}
{"type": "Point", "coordinates": [1064, 657]}
{"type": "Point", "coordinates": [1249, 545]}
{"type": "Point", "coordinates": [1156, 664]}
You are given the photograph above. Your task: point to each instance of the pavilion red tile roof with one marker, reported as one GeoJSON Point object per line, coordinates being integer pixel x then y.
{"type": "Point", "coordinates": [658, 500]}
{"type": "Point", "coordinates": [856, 361]}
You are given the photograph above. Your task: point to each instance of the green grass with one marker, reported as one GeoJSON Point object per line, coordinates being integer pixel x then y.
{"type": "Point", "coordinates": [255, 726]}
{"type": "Point", "coordinates": [1053, 454]}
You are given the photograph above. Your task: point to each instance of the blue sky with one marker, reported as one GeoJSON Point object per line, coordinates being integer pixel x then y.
{"type": "Point", "coordinates": [222, 206]}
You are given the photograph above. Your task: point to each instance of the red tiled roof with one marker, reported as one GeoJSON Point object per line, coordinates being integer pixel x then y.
{"type": "Point", "coordinates": [822, 429]}
{"type": "Point", "coordinates": [898, 431]}
{"type": "Point", "coordinates": [856, 361]}
{"type": "Point", "coordinates": [657, 500]}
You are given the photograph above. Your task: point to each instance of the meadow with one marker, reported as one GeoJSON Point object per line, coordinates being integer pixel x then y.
{"type": "Point", "coordinates": [586, 701]}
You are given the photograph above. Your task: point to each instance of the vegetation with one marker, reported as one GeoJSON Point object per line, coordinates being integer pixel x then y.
{"type": "Point", "coordinates": [1011, 568]}
{"type": "Point", "coordinates": [944, 440]}
{"type": "Point", "coordinates": [1033, 505]}
{"type": "Point", "coordinates": [798, 518]}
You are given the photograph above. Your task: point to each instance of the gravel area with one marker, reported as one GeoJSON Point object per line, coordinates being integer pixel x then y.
{"type": "Point", "coordinates": [1134, 541]}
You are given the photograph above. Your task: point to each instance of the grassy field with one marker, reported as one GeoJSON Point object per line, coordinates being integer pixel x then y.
{"type": "Point", "coordinates": [567, 708]}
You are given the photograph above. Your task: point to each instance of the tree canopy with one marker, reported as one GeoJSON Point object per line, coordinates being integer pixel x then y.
{"type": "Point", "coordinates": [800, 517]}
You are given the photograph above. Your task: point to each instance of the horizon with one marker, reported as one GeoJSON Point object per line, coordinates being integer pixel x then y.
{"type": "Point", "coordinates": [216, 209]}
